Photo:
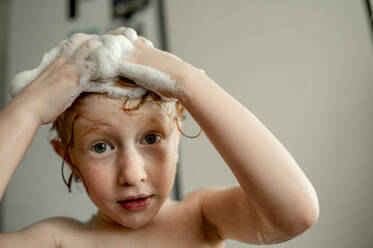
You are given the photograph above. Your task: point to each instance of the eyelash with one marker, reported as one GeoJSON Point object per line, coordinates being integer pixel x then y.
{"type": "Point", "coordinates": [100, 142]}
{"type": "Point", "coordinates": [157, 137]}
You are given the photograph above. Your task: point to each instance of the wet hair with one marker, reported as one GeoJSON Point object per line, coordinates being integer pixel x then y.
{"type": "Point", "coordinates": [64, 124]}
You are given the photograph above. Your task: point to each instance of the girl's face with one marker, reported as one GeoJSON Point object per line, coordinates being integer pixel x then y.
{"type": "Point", "coordinates": [127, 162]}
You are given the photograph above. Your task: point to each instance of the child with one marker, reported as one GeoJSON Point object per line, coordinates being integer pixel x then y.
{"type": "Point", "coordinates": [122, 142]}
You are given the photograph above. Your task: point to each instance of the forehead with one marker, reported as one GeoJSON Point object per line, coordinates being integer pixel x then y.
{"type": "Point", "coordinates": [96, 108]}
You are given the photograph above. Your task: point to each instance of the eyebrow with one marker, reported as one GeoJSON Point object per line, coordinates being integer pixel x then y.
{"type": "Point", "coordinates": [161, 121]}
{"type": "Point", "coordinates": [95, 126]}
{"type": "Point", "coordinates": [155, 120]}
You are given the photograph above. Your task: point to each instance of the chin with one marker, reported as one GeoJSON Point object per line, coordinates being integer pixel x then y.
{"type": "Point", "coordinates": [136, 226]}
{"type": "Point", "coordinates": [135, 223]}
{"type": "Point", "coordinates": [139, 219]}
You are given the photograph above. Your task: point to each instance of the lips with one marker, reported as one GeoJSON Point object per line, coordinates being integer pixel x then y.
{"type": "Point", "coordinates": [136, 203]}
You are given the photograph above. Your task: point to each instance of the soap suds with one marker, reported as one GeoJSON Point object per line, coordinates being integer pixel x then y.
{"type": "Point", "coordinates": [99, 61]}
{"type": "Point", "coordinates": [25, 77]}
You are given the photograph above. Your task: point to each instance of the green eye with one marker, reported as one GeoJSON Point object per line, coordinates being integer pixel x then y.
{"type": "Point", "coordinates": [101, 147]}
{"type": "Point", "coordinates": [151, 139]}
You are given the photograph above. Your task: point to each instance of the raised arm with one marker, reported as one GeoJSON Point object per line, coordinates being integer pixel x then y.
{"type": "Point", "coordinates": [17, 129]}
{"type": "Point", "coordinates": [274, 200]}
{"type": "Point", "coordinates": [40, 102]}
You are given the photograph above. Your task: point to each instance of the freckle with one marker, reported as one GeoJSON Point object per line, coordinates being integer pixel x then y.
{"type": "Point", "coordinates": [86, 67]}
{"type": "Point", "coordinates": [87, 46]}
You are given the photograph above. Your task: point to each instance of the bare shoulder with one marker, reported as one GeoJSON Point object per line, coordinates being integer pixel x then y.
{"type": "Point", "coordinates": [46, 233]}
{"type": "Point", "coordinates": [61, 222]}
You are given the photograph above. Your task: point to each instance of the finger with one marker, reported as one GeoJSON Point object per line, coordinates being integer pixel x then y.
{"type": "Point", "coordinates": [50, 61]}
{"type": "Point", "coordinates": [148, 78]}
{"type": "Point", "coordinates": [75, 41]}
{"type": "Point", "coordinates": [59, 61]}
{"type": "Point", "coordinates": [172, 55]}
{"type": "Point", "coordinates": [117, 31]}
{"type": "Point", "coordinates": [129, 33]}
{"type": "Point", "coordinates": [82, 56]}
{"type": "Point", "coordinates": [61, 43]}
{"type": "Point", "coordinates": [86, 49]}
{"type": "Point", "coordinates": [146, 41]}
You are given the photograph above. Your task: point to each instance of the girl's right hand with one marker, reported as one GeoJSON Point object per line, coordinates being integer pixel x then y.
{"type": "Point", "coordinates": [56, 86]}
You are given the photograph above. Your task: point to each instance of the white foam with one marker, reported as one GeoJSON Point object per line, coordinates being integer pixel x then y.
{"type": "Point", "coordinates": [148, 77]}
{"type": "Point", "coordinates": [99, 60]}
{"type": "Point", "coordinates": [25, 77]}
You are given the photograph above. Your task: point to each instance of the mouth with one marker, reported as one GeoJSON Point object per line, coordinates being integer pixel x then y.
{"type": "Point", "coordinates": [136, 203]}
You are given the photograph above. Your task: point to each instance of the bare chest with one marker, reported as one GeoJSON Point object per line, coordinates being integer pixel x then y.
{"type": "Point", "coordinates": [181, 227]}
{"type": "Point", "coordinates": [173, 236]}
{"type": "Point", "coordinates": [161, 241]}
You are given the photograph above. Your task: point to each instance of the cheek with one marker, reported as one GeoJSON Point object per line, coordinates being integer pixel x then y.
{"type": "Point", "coordinates": [163, 167]}
{"type": "Point", "coordinates": [96, 182]}
{"type": "Point", "coordinates": [96, 173]}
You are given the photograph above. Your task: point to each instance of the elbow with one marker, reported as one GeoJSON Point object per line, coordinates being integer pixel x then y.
{"type": "Point", "coordinates": [279, 235]}
{"type": "Point", "coordinates": [307, 215]}
{"type": "Point", "coordinates": [295, 222]}
{"type": "Point", "coordinates": [304, 222]}
{"type": "Point", "coordinates": [275, 234]}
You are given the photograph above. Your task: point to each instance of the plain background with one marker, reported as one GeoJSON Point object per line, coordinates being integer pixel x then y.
{"type": "Point", "coordinates": [304, 68]}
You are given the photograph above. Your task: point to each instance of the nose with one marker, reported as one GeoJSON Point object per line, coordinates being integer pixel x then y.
{"type": "Point", "coordinates": [131, 168]}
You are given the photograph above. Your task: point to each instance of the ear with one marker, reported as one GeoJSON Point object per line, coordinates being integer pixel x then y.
{"type": "Point", "coordinates": [179, 108]}
{"type": "Point", "coordinates": [60, 149]}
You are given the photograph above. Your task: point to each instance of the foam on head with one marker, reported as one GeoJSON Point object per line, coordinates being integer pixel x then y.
{"type": "Point", "coordinates": [99, 60]}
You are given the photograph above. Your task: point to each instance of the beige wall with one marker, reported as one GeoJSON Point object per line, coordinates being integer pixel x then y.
{"type": "Point", "coordinates": [303, 67]}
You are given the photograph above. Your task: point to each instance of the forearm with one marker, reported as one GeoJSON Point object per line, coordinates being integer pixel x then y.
{"type": "Point", "coordinates": [268, 174]}
{"type": "Point", "coordinates": [17, 129]}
